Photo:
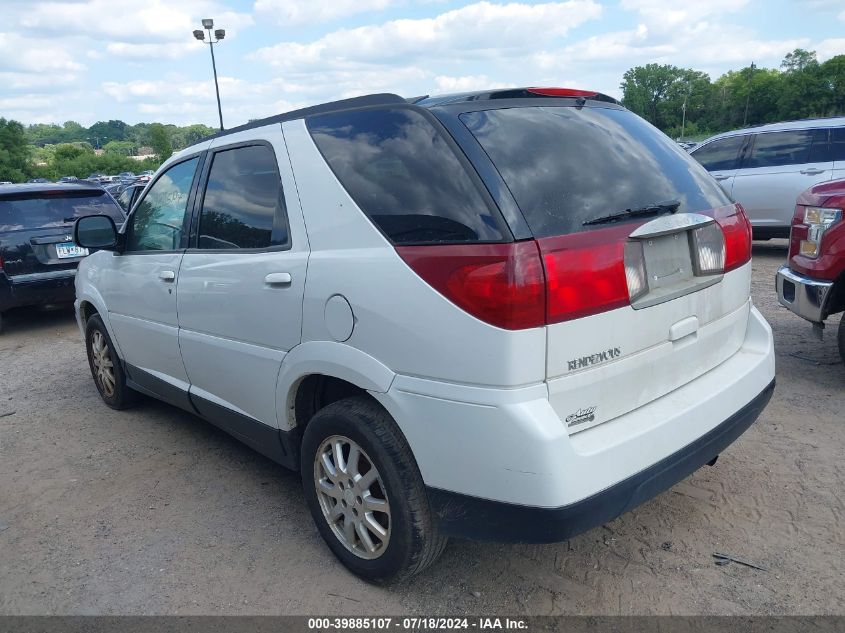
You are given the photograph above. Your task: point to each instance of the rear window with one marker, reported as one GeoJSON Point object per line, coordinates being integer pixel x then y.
{"type": "Point", "coordinates": [402, 173]}
{"type": "Point", "coordinates": [42, 210]}
{"type": "Point", "coordinates": [567, 165]}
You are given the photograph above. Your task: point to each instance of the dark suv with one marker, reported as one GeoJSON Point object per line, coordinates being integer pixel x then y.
{"type": "Point", "coordinates": [38, 257]}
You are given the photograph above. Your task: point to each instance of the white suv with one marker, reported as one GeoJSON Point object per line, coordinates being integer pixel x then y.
{"type": "Point", "coordinates": [509, 315]}
{"type": "Point", "coordinates": [766, 168]}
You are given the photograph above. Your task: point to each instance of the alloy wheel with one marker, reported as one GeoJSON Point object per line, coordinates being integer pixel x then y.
{"type": "Point", "coordinates": [103, 366]}
{"type": "Point", "coordinates": [352, 497]}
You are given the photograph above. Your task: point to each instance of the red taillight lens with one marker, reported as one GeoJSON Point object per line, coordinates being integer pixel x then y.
{"type": "Point", "coordinates": [501, 284]}
{"type": "Point", "coordinates": [562, 92]}
{"type": "Point", "coordinates": [585, 273]}
{"type": "Point", "coordinates": [737, 231]}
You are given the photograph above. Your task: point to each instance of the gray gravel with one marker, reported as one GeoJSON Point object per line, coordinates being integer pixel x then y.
{"type": "Point", "coordinates": [153, 511]}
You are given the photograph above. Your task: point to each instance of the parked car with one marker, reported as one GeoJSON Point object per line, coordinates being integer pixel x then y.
{"type": "Point", "coordinates": [95, 177]}
{"type": "Point", "coordinates": [68, 179]}
{"type": "Point", "coordinates": [472, 315]}
{"type": "Point", "coordinates": [38, 257]}
{"type": "Point", "coordinates": [129, 195]}
{"type": "Point", "coordinates": [812, 283]}
{"type": "Point", "coordinates": [765, 168]}
{"type": "Point", "coordinates": [38, 180]}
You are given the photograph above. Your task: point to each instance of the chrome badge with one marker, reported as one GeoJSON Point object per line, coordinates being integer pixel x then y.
{"type": "Point", "coordinates": [581, 416]}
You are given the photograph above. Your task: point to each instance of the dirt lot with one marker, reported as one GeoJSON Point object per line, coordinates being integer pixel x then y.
{"type": "Point", "coordinates": [153, 511]}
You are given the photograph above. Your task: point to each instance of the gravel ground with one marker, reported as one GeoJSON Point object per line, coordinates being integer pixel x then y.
{"type": "Point", "coordinates": [153, 511]}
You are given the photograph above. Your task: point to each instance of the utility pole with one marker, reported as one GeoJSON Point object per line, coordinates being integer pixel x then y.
{"type": "Point", "coordinates": [748, 97]}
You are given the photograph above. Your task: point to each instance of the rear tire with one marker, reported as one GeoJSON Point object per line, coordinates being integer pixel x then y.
{"type": "Point", "coordinates": [106, 368]}
{"type": "Point", "coordinates": [365, 492]}
{"type": "Point", "coordinates": [841, 337]}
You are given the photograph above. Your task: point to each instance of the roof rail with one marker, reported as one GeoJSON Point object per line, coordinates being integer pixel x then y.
{"type": "Point", "coordinates": [384, 98]}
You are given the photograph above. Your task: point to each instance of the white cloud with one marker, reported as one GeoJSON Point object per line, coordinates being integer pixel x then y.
{"type": "Point", "coordinates": [480, 30]}
{"type": "Point", "coordinates": [34, 55]}
{"type": "Point", "coordinates": [143, 52]}
{"type": "Point", "coordinates": [671, 14]}
{"type": "Point", "coordinates": [295, 12]}
{"type": "Point", "coordinates": [466, 83]}
{"type": "Point", "coordinates": [830, 48]}
{"type": "Point", "coordinates": [146, 21]}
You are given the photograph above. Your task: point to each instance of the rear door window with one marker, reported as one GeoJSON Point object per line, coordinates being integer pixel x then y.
{"type": "Point", "coordinates": [402, 173]}
{"type": "Point", "coordinates": [567, 165]}
{"type": "Point", "coordinates": [48, 210]}
{"type": "Point", "coordinates": [837, 144]}
{"type": "Point", "coordinates": [792, 147]}
{"type": "Point", "coordinates": [242, 207]}
{"type": "Point", "coordinates": [721, 154]}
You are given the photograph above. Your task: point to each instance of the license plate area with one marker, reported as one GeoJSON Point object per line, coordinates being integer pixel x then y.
{"type": "Point", "coordinates": [68, 250]}
{"type": "Point", "coordinates": [669, 269]}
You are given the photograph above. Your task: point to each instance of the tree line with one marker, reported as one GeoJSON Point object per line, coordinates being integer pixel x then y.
{"type": "Point", "coordinates": [685, 101]}
{"type": "Point", "coordinates": [52, 151]}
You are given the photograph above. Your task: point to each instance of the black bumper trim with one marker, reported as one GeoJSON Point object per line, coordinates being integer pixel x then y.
{"type": "Point", "coordinates": [464, 516]}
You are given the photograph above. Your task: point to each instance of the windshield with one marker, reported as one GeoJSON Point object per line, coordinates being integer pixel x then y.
{"type": "Point", "coordinates": [47, 210]}
{"type": "Point", "coordinates": [567, 165]}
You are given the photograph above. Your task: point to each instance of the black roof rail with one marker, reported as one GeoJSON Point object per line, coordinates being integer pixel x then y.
{"type": "Point", "coordinates": [384, 98]}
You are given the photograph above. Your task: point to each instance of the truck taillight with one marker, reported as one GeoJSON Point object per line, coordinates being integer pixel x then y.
{"type": "Point", "coordinates": [500, 284]}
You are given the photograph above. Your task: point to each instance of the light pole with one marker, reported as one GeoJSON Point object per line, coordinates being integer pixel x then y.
{"type": "Point", "coordinates": [684, 110]}
{"type": "Point", "coordinates": [748, 98]}
{"type": "Point", "coordinates": [218, 35]}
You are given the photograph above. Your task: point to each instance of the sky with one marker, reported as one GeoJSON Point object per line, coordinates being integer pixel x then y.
{"type": "Point", "coordinates": [91, 60]}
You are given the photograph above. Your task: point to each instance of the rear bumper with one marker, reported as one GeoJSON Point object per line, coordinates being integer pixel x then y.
{"type": "Point", "coordinates": [804, 296]}
{"type": "Point", "coordinates": [471, 517]}
{"type": "Point", "coordinates": [38, 289]}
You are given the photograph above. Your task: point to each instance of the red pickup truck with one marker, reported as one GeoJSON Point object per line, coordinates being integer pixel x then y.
{"type": "Point", "coordinates": [812, 283]}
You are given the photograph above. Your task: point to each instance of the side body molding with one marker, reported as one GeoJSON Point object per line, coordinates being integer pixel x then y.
{"type": "Point", "coordinates": [330, 359]}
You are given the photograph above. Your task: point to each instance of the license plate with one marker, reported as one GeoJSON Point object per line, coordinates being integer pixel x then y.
{"type": "Point", "coordinates": [63, 251]}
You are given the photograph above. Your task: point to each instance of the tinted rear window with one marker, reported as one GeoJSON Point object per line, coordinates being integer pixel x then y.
{"type": "Point", "coordinates": [567, 165]}
{"type": "Point", "coordinates": [35, 211]}
{"type": "Point", "coordinates": [404, 175]}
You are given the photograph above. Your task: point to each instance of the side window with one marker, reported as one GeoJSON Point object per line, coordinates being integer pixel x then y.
{"type": "Point", "coordinates": [837, 144]}
{"type": "Point", "coordinates": [158, 221]}
{"type": "Point", "coordinates": [778, 149]}
{"type": "Point", "coordinates": [125, 199]}
{"type": "Point", "coordinates": [243, 203]}
{"type": "Point", "coordinates": [404, 176]}
{"type": "Point", "coordinates": [721, 154]}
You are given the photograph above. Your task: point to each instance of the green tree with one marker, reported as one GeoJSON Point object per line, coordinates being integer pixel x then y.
{"type": "Point", "coordinates": [14, 152]}
{"type": "Point", "coordinates": [644, 89]}
{"type": "Point", "coordinates": [123, 148]}
{"type": "Point", "coordinates": [160, 141]}
{"type": "Point", "coordinates": [798, 60]}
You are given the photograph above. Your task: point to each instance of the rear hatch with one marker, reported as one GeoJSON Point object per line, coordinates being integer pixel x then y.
{"type": "Point", "coordinates": [36, 228]}
{"type": "Point", "coordinates": [644, 255]}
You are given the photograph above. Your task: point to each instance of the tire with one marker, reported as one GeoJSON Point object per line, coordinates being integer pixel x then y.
{"type": "Point", "coordinates": [841, 337]}
{"type": "Point", "coordinates": [408, 540]}
{"type": "Point", "coordinates": [111, 379]}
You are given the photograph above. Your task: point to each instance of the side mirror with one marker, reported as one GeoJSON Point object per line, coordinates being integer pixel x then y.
{"type": "Point", "coordinates": [95, 232]}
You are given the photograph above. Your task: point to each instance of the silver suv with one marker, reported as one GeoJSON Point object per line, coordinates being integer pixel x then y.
{"type": "Point", "coordinates": [765, 168]}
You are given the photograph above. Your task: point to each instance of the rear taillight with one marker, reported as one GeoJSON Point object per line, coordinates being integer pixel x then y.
{"type": "Point", "coordinates": [737, 231]}
{"type": "Point", "coordinates": [553, 279]}
{"type": "Point", "coordinates": [585, 273]}
{"type": "Point", "coordinates": [501, 284]}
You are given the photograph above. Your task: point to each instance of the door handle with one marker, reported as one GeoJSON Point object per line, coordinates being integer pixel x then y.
{"type": "Point", "coordinates": [813, 171]}
{"type": "Point", "coordinates": [278, 279]}
{"type": "Point", "coordinates": [720, 177]}
{"type": "Point", "coordinates": [167, 275]}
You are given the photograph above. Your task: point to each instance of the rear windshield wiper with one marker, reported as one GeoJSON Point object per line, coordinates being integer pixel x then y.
{"type": "Point", "coordinates": [668, 206]}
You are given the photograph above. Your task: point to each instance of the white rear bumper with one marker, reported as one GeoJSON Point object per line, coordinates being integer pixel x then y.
{"type": "Point", "coordinates": [510, 446]}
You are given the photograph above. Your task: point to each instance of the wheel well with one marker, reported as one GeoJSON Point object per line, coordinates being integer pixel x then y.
{"type": "Point", "coordinates": [836, 301]}
{"type": "Point", "coordinates": [317, 391]}
{"type": "Point", "coordinates": [87, 310]}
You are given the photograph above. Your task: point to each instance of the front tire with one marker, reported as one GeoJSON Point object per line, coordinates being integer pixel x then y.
{"type": "Point", "coordinates": [106, 368]}
{"type": "Point", "coordinates": [365, 492]}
